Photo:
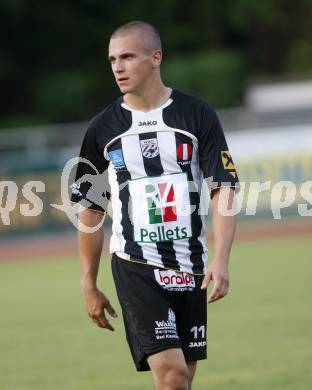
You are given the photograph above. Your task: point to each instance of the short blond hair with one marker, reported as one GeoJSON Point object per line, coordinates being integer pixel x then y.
{"type": "Point", "coordinates": [149, 34]}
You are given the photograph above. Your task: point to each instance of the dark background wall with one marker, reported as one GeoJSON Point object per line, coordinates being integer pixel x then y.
{"type": "Point", "coordinates": [53, 56]}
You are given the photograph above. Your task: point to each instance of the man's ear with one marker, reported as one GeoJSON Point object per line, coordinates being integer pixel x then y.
{"type": "Point", "coordinates": [156, 58]}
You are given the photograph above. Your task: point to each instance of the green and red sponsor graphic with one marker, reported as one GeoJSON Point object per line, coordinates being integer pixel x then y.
{"type": "Point", "coordinates": [160, 208]}
{"type": "Point", "coordinates": [162, 194]}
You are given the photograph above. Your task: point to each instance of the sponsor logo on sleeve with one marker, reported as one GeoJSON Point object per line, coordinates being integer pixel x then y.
{"type": "Point", "coordinates": [228, 163]}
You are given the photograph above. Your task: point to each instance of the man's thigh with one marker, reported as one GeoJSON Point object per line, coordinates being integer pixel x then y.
{"type": "Point", "coordinates": [171, 360]}
{"type": "Point", "coordinates": [163, 361]}
{"type": "Point", "coordinates": [191, 370]}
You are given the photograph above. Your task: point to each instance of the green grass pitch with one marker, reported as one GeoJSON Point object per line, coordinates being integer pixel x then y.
{"type": "Point", "coordinates": [258, 336]}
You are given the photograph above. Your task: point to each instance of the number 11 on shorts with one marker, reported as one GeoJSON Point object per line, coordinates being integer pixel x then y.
{"type": "Point", "coordinates": [196, 330]}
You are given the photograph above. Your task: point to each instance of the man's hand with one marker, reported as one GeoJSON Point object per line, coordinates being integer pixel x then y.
{"type": "Point", "coordinates": [218, 272]}
{"type": "Point", "coordinates": [96, 302]}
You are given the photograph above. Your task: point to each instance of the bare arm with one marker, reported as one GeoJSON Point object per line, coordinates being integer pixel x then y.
{"type": "Point", "coordinates": [224, 230]}
{"type": "Point", "coordinates": [90, 249]}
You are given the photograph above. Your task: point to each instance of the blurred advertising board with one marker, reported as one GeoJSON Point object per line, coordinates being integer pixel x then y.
{"type": "Point", "coordinates": [280, 160]}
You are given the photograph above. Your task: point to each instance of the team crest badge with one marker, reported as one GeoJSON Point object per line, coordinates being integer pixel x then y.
{"type": "Point", "coordinates": [149, 147]}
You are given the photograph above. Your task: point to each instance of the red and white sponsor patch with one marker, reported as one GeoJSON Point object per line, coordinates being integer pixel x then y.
{"type": "Point", "coordinates": [174, 280]}
{"type": "Point", "coordinates": [184, 152]}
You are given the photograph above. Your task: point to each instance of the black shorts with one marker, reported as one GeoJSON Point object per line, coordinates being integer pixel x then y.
{"type": "Point", "coordinates": [161, 309]}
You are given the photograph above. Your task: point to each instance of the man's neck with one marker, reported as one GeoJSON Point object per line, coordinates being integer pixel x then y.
{"type": "Point", "coordinates": [149, 99]}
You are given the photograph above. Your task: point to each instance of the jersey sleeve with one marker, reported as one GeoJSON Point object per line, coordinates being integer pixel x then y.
{"type": "Point", "coordinates": [91, 188]}
{"type": "Point", "coordinates": [214, 157]}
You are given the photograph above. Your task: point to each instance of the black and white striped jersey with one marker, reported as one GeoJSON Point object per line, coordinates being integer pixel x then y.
{"type": "Point", "coordinates": [150, 165]}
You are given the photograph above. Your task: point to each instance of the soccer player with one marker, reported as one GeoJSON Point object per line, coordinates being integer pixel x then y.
{"type": "Point", "coordinates": [157, 144]}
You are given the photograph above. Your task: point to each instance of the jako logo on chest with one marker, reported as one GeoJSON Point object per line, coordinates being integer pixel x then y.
{"type": "Point", "coordinates": [147, 123]}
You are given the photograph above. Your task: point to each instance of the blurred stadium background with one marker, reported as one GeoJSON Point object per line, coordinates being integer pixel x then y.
{"type": "Point", "coordinates": [253, 62]}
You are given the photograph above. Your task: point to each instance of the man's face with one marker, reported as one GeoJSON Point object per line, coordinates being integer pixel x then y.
{"type": "Point", "coordinates": [131, 64]}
